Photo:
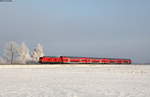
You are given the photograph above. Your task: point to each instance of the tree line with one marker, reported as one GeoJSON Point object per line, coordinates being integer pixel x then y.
{"type": "Point", "coordinates": [15, 53]}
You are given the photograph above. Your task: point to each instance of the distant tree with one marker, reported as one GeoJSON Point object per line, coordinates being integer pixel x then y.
{"type": "Point", "coordinates": [37, 53]}
{"type": "Point", "coordinates": [24, 56]}
{"type": "Point", "coordinates": [10, 52]}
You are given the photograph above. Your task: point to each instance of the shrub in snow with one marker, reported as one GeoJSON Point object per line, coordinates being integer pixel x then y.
{"type": "Point", "coordinates": [2, 61]}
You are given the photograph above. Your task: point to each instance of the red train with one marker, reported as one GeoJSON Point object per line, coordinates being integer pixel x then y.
{"type": "Point", "coordinates": [81, 60]}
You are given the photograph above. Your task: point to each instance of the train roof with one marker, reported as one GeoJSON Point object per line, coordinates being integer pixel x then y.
{"type": "Point", "coordinates": [52, 56]}
{"type": "Point", "coordinates": [87, 57]}
{"type": "Point", "coordinates": [94, 57]}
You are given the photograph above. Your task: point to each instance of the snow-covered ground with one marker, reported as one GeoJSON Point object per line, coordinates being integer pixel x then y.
{"type": "Point", "coordinates": [75, 81]}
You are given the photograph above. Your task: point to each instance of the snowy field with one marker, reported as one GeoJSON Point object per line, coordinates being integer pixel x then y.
{"type": "Point", "coordinates": [75, 81]}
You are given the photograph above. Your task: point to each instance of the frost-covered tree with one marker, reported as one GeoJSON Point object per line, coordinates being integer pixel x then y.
{"type": "Point", "coordinates": [11, 52]}
{"type": "Point", "coordinates": [14, 53]}
{"type": "Point", "coordinates": [24, 56]}
{"type": "Point", "coordinates": [37, 53]}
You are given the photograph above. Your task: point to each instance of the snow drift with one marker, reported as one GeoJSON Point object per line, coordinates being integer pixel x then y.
{"type": "Point", "coordinates": [75, 81]}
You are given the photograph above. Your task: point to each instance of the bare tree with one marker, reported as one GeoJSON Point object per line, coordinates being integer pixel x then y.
{"type": "Point", "coordinates": [37, 53]}
{"type": "Point", "coordinates": [11, 52]}
{"type": "Point", "coordinates": [24, 56]}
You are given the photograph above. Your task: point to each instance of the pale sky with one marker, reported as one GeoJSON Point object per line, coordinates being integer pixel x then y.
{"type": "Point", "coordinates": [99, 28]}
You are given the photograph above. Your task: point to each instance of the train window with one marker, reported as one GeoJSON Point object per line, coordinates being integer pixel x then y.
{"type": "Point", "coordinates": [65, 59]}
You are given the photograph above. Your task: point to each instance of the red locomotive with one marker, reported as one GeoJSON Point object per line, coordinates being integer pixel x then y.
{"type": "Point", "coordinates": [81, 60]}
